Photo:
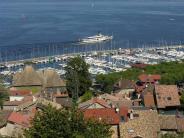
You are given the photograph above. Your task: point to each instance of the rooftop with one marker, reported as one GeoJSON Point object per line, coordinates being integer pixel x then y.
{"type": "Point", "coordinates": [105, 114]}
{"type": "Point", "coordinates": [149, 78]}
{"type": "Point", "coordinates": [19, 92]}
{"type": "Point", "coordinates": [168, 122]}
{"type": "Point", "coordinates": [166, 96]}
{"type": "Point", "coordinates": [144, 124]}
{"type": "Point", "coordinates": [88, 103]}
{"type": "Point", "coordinates": [20, 119]}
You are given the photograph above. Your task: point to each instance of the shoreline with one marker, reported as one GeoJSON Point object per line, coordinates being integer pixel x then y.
{"type": "Point", "coordinates": [87, 52]}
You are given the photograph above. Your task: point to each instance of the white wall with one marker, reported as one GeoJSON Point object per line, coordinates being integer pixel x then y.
{"type": "Point", "coordinates": [16, 98]}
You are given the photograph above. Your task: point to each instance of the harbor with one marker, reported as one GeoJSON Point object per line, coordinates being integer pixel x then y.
{"type": "Point", "coordinates": [101, 61]}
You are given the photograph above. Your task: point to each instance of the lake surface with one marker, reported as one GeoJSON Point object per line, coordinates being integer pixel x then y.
{"type": "Point", "coordinates": [32, 28]}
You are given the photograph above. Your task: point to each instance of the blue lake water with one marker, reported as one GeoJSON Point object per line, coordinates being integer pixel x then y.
{"type": "Point", "coordinates": [32, 28]}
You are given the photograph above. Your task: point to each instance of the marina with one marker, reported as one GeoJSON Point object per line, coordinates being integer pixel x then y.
{"type": "Point", "coordinates": [101, 62]}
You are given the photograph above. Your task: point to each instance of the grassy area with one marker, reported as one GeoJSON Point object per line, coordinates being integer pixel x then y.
{"type": "Point", "coordinates": [34, 89]}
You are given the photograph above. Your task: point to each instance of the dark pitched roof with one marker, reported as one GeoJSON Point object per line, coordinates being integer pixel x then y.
{"type": "Point", "coordinates": [52, 79]}
{"type": "Point", "coordinates": [167, 95]}
{"type": "Point", "coordinates": [125, 84]}
{"type": "Point", "coordinates": [65, 102]}
{"type": "Point", "coordinates": [28, 77]}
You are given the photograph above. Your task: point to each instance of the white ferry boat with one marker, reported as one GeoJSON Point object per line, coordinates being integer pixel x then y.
{"type": "Point", "coordinates": [96, 38]}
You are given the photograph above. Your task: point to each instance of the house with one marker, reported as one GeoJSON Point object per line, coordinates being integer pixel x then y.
{"type": "Point", "coordinates": [141, 124]}
{"type": "Point", "coordinates": [18, 95]}
{"type": "Point", "coordinates": [19, 105]}
{"type": "Point", "coordinates": [28, 77]}
{"type": "Point", "coordinates": [94, 103]}
{"type": "Point", "coordinates": [4, 114]}
{"type": "Point", "coordinates": [167, 98]}
{"type": "Point", "coordinates": [123, 102]}
{"type": "Point", "coordinates": [16, 123]}
{"type": "Point", "coordinates": [124, 85]}
{"type": "Point", "coordinates": [116, 99]}
{"type": "Point", "coordinates": [19, 119]}
{"type": "Point", "coordinates": [108, 97]}
{"type": "Point", "coordinates": [52, 83]}
{"type": "Point", "coordinates": [147, 96]}
{"type": "Point", "coordinates": [41, 80]}
{"type": "Point", "coordinates": [110, 115]}
{"type": "Point", "coordinates": [139, 65]}
{"type": "Point", "coordinates": [145, 79]}
{"type": "Point", "coordinates": [63, 100]}
{"type": "Point", "coordinates": [168, 123]}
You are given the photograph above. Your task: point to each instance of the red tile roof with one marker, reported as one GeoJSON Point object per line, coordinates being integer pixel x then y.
{"type": "Point", "coordinates": [167, 95]}
{"type": "Point", "coordinates": [139, 65]}
{"type": "Point", "coordinates": [149, 78]}
{"type": "Point", "coordinates": [20, 119]}
{"type": "Point", "coordinates": [149, 100]}
{"type": "Point", "coordinates": [106, 114]}
{"type": "Point", "coordinates": [123, 111]}
{"type": "Point", "coordinates": [20, 92]}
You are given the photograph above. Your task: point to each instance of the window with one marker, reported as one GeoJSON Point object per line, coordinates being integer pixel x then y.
{"type": "Point", "coordinates": [122, 119]}
{"type": "Point", "coordinates": [168, 98]}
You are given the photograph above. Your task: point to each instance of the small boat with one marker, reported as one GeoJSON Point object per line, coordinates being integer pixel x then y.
{"type": "Point", "coordinates": [96, 38]}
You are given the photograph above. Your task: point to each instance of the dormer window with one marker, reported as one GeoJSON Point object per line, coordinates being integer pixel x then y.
{"type": "Point", "coordinates": [169, 98]}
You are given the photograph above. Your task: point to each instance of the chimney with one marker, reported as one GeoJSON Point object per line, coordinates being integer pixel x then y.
{"type": "Point", "coordinates": [34, 99]}
{"type": "Point", "coordinates": [117, 110]}
{"type": "Point", "coordinates": [131, 115]}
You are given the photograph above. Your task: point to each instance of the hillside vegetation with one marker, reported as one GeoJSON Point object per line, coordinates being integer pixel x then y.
{"type": "Point", "coordinates": [171, 73]}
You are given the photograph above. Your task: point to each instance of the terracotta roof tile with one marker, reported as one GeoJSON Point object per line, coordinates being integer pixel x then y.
{"type": "Point", "coordinates": [106, 114]}
{"type": "Point", "coordinates": [20, 119]}
{"type": "Point", "coordinates": [139, 65]}
{"type": "Point", "coordinates": [167, 95]}
{"type": "Point", "coordinates": [149, 78]}
{"type": "Point", "coordinates": [20, 92]}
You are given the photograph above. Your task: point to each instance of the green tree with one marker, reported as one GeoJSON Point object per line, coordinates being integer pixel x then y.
{"type": "Point", "coordinates": [182, 97]}
{"type": "Point", "coordinates": [167, 135]}
{"type": "Point", "coordinates": [61, 123]}
{"type": "Point", "coordinates": [87, 96]}
{"type": "Point", "coordinates": [77, 76]}
{"type": "Point", "coordinates": [3, 95]}
{"type": "Point", "coordinates": [171, 73]}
